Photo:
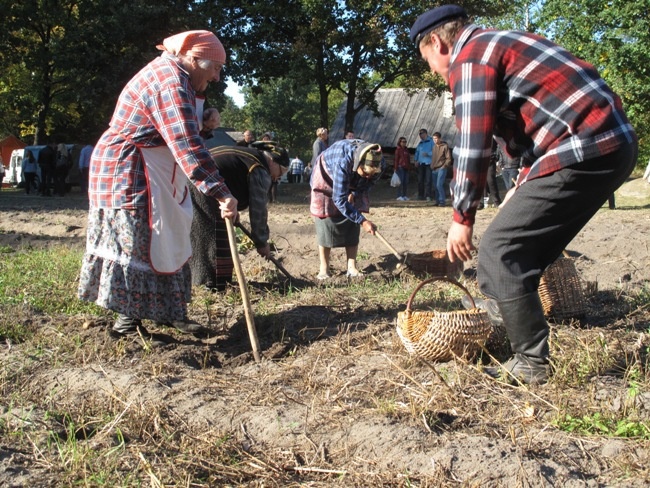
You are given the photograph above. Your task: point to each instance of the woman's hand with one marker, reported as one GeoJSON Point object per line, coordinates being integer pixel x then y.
{"type": "Point", "coordinates": [264, 251]}
{"type": "Point", "coordinates": [228, 207]}
{"type": "Point", "coordinates": [369, 227]}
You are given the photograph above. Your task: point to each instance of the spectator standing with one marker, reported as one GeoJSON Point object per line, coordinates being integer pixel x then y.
{"type": "Point", "coordinates": [47, 164]}
{"type": "Point", "coordinates": [491, 182]}
{"type": "Point", "coordinates": [307, 172]}
{"type": "Point", "coordinates": [84, 166]}
{"type": "Point", "coordinates": [576, 142]}
{"type": "Point", "coordinates": [350, 135]}
{"type": "Point", "coordinates": [440, 161]}
{"type": "Point", "coordinates": [29, 168]}
{"type": "Point", "coordinates": [341, 178]}
{"type": "Point", "coordinates": [402, 166]}
{"type": "Point", "coordinates": [320, 144]}
{"type": "Point", "coordinates": [296, 169]}
{"type": "Point", "coordinates": [249, 138]}
{"type": "Point", "coordinates": [63, 165]}
{"type": "Point", "coordinates": [423, 154]}
{"type": "Point", "coordinates": [140, 212]}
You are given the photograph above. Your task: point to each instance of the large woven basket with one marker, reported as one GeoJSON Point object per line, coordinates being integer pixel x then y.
{"type": "Point", "coordinates": [560, 291]}
{"type": "Point", "coordinates": [442, 336]}
{"type": "Point", "coordinates": [434, 264]}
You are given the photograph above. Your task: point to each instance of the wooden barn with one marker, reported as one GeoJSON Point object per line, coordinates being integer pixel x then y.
{"type": "Point", "coordinates": [403, 113]}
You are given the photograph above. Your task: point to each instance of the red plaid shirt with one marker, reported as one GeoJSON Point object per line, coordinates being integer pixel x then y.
{"type": "Point", "coordinates": [537, 99]}
{"type": "Point", "coordinates": [156, 108]}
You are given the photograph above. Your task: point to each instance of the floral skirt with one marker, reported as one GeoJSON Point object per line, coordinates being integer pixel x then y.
{"type": "Point", "coordinates": [116, 271]}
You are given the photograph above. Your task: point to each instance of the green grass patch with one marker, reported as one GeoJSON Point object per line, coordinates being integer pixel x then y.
{"type": "Point", "coordinates": [598, 424]}
{"type": "Point", "coordinates": [44, 280]}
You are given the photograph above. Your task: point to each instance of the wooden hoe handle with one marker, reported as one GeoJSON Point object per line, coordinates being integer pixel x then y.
{"type": "Point", "coordinates": [243, 288]}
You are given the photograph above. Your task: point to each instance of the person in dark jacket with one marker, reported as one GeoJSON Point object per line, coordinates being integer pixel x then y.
{"type": "Point", "coordinates": [248, 173]}
{"type": "Point", "coordinates": [47, 163]}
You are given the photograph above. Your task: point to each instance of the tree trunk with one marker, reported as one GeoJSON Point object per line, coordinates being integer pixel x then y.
{"type": "Point", "coordinates": [322, 89]}
{"type": "Point", "coordinates": [46, 99]}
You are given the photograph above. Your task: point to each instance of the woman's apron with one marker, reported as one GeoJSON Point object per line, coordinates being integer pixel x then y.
{"type": "Point", "coordinates": [170, 207]}
{"type": "Point", "coordinates": [170, 210]}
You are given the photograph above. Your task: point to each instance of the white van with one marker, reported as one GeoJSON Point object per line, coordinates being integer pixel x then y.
{"type": "Point", "coordinates": [15, 174]}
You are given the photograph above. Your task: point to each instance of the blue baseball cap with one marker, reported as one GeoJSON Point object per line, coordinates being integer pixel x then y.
{"type": "Point", "coordinates": [433, 18]}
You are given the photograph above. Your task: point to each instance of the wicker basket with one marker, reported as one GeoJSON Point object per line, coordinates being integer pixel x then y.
{"type": "Point", "coordinates": [442, 336]}
{"type": "Point", "coordinates": [434, 264]}
{"type": "Point", "coordinates": [561, 292]}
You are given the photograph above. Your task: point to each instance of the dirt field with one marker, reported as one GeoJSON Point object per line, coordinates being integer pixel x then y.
{"type": "Point", "coordinates": [336, 400]}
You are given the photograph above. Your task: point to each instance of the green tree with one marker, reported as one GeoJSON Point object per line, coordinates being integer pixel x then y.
{"type": "Point", "coordinates": [614, 36]}
{"type": "Point", "coordinates": [65, 61]}
{"type": "Point", "coordinates": [354, 47]}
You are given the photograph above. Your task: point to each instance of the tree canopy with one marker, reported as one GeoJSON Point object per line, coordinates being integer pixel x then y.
{"type": "Point", "coordinates": [64, 62]}
{"type": "Point", "coordinates": [614, 36]}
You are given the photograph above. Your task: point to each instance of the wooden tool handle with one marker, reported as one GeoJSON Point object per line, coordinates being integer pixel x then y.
{"type": "Point", "coordinates": [386, 243]}
{"type": "Point", "coordinates": [243, 288]}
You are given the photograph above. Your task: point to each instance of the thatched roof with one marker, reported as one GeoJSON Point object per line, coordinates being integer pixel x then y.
{"type": "Point", "coordinates": [403, 115]}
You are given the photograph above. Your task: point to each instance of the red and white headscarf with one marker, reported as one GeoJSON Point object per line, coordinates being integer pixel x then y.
{"type": "Point", "coordinates": [201, 44]}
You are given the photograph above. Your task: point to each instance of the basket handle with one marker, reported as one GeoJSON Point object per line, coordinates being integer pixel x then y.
{"type": "Point", "coordinates": [440, 278]}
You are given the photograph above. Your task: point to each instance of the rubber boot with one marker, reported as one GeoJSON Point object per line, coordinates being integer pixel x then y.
{"type": "Point", "coordinates": [489, 305]}
{"type": "Point", "coordinates": [523, 319]}
{"type": "Point", "coordinates": [186, 326]}
{"type": "Point", "coordinates": [126, 326]}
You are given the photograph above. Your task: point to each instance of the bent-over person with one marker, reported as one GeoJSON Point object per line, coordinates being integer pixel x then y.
{"type": "Point", "coordinates": [248, 172]}
{"type": "Point", "coordinates": [340, 181]}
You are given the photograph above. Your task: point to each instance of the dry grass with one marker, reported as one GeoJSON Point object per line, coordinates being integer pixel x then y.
{"type": "Point", "coordinates": [336, 400]}
{"type": "Point", "coordinates": [333, 357]}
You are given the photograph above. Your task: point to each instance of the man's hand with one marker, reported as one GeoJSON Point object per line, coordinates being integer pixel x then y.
{"type": "Point", "coordinates": [459, 242]}
{"type": "Point", "coordinates": [264, 251]}
{"type": "Point", "coordinates": [228, 207]}
{"type": "Point", "coordinates": [369, 227]}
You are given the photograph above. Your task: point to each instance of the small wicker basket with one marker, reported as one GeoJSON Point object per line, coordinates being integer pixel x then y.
{"type": "Point", "coordinates": [434, 264]}
{"type": "Point", "coordinates": [560, 291]}
{"type": "Point", "coordinates": [442, 336]}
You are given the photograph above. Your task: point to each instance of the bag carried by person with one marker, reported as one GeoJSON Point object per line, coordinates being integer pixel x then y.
{"type": "Point", "coordinates": [395, 181]}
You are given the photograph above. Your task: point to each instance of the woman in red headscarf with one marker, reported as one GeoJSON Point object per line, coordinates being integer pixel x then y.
{"type": "Point", "coordinates": [138, 238]}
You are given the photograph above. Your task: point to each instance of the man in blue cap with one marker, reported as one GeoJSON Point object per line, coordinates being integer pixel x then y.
{"type": "Point", "coordinates": [543, 104]}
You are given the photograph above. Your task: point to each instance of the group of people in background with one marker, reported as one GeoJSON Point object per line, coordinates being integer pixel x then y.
{"type": "Point", "coordinates": [54, 162]}
{"type": "Point", "coordinates": [432, 160]}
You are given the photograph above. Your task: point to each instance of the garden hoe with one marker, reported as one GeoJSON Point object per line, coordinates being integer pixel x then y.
{"type": "Point", "coordinates": [403, 264]}
{"type": "Point", "coordinates": [243, 288]}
